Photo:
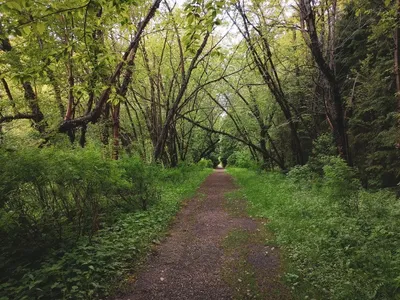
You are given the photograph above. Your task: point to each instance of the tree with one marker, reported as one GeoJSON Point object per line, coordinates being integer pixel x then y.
{"type": "Point", "coordinates": [336, 115]}
{"type": "Point", "coordinates": [259, 46]}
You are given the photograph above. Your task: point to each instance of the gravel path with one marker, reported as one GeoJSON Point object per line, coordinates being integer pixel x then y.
{"type": "Point", "coordinates": [204, 257]}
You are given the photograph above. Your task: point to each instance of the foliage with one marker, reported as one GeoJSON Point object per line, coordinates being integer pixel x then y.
{"type": "Point", "coordinates": [206, 163]}
{"type": "Point", "coordinates": [339, 244]}
{"type": "Point", "coordinates": [94, 265]}
{"type": "Point", "coordinates": [323, 148]}
{"type": "Point", "coordinates": [339, 179]}
{"type": "Point", "coordinates": [185, 100]}
{"type": "Point", "coordinates": [226, 148]}
{"type": "Point", "coordinates": [51, 196]}
{"type": "Point", "coordinates": [241, 159]}
{"type": "Point", "coordinates": [371, 90]}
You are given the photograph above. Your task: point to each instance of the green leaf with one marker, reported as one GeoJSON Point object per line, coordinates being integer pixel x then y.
{"type": "Point", "coordinates": [55, 285]}
{"type": "Point", "coordinates": [26, 30]}
{"type": "Point", "coordinates": [13, 5]}
{"type": "Point", "coordinates": [40, 28]}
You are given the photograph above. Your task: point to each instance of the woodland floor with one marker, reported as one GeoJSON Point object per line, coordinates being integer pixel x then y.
{"type": "Point", "coordinates": [213, 250]}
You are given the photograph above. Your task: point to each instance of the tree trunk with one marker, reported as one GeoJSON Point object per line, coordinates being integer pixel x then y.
{"type": "Point", "coordinates": [57, 91]}
{"type": "Point", "coordinates": [33, 103]}
{"type": "Point", "coordinates": [37, 116]}
{"type": "Point", "coordinates": [309, 29]}
{"type": "Point", "coordinates": [9, 95]}
{"type": "Point", "coordinates": [397, 66]}
{"type": "Point", "coordinates": [105, 132]}
{"type": "Point", "coordinates": [116, 128]}
{"type": "Point", "coordinates": [71, 97]}
{"type": "Point", "coordinates": [159, 149]}
{"type": "Point", "coordinates": [269, 74]}
{"type": "Point", "coordinates": [172, 149]}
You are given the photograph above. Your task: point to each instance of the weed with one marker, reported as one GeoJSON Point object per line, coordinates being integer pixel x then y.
{"type": "Point", "coordinates": [341, 242]}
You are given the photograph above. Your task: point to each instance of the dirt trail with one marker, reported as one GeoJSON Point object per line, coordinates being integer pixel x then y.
{"type": "Point", "coordinates": [213, 251]}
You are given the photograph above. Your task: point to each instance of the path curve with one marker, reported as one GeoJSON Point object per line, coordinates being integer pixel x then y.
{"type": "Point", "coordinates": [194, 263]}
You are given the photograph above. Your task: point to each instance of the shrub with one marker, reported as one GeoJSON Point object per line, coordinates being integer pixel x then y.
{"type": "Point", "coordinates": [205, 163]}
{"type": "Point", "coordinates": [142, 188]}
{"type": "Point", "coordinates": [91, 268]}
{"type": "Point", "coordinates": [303, 176]}
{"type": "Point", "coordinates": [49, 199]}
{"type": "Point", "coordinates": [241, 159]}
{"type": "Point", "coordinates": [71, 222]}
{"type": "Point", "coordinates": [339, 179]}
{"type": "Point", "coordinates": [323, 149]}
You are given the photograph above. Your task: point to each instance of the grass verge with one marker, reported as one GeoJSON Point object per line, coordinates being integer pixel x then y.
{"type": "Point", "coordinates": [337, 246]}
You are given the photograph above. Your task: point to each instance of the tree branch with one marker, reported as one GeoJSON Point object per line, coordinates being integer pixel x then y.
{"type": "Point", "coordinates": [18, 116]}
{"type": "Point", "coordinates": [127, 59]}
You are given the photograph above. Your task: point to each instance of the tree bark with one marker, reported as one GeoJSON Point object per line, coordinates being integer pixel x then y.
{"type": "Point", "coordinates": [9, 95]}
{"type": "Point", "coordinates": [57, 91]}
{"type": "Point", "coordinates": [33, 103]}
{"type": "Point", "coordinates": [29, 94]}
{"type": "Point", "coordinates": [116, 128]}
{"type": "Point", "coordinates": [308, 24]}
{"type": "Point", "coordinates": [397, 66]}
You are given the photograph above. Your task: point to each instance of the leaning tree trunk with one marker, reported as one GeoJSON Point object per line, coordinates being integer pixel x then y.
{"type": "Point", "coordinates": [33, 103]}
{"type": "Point", "coordinates": [159, 149]}
{"type": "Point", "coordinates": [127, 61]}
{"type": "Point", "coordinates": [265, 64]}
{"type": "Point", "coordinates": [36, 115]}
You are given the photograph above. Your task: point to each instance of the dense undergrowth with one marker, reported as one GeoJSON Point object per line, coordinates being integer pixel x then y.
{"type": "Point", "coordinates": [341, 241]}
{"type": "Point", "coordinates": [72, 224]}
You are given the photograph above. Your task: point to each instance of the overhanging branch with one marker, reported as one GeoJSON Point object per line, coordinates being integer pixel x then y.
{"type": "Point", "coordinates": [17, 117]}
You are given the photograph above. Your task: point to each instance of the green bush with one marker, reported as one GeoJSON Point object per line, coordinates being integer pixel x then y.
{"type": "Point", "coordinates": [323, 149]}
{"type": "Point", "coordinates": [340, 180]}
{"type": "Point", "coordinates": [50, 202]}
{"type": "Point", "coordinates": [241, 159]}
{"type": "Point", "coordinates": [142, 188]}
{"type": "Point", "coordinates": [50, 199]}
{"type": "Point", "coordinates": [175, 175]}
{"type": "Point", "coordinates": [205, 163]}
{"type": "Point", "coordinates": [52, 195]}
{"type": "Point", "coordinates": [303, 176]}
{"type": "Point", "coordinates": [340, 244]}
{"type": "Point", "coordinates": [89, 270]}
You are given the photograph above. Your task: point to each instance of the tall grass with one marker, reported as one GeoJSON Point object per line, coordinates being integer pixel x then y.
{"type": "Point", "coordinates": [340, 241]}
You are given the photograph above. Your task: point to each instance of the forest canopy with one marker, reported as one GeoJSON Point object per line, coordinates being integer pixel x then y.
{"type": "Point", "coordinates": [180, 82]}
